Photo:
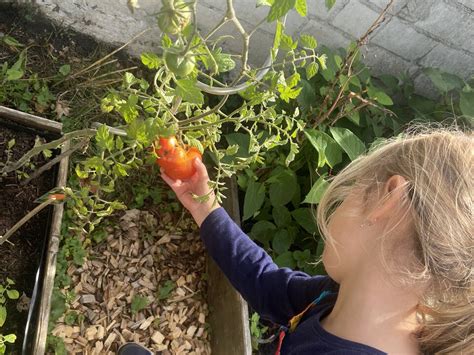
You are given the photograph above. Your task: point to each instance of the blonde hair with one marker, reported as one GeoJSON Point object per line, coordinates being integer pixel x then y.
{"type": "Point", "coordinates": [438, 165]}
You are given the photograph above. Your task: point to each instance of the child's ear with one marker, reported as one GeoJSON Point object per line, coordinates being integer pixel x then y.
{"type": "Point", "coordinates": [392, 196]}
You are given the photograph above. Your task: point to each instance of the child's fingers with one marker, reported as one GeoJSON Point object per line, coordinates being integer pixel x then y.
{"type": "Point", "coordinates": [200, 168]}
{"type": "Point", "coordinates": [174, 184]}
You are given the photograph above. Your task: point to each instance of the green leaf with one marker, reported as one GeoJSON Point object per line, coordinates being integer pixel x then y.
{"type": "Point", "coordinates": [283, 187]}
{"type": "Point", "coordinates": [11, 143]}
{"type": "Point", "coordinates": [444, 82]}
{"type": "Point", "coordinates": [3, 315]}
{"type": "Point", "coordinates": [254, 197]}
{"type": "Point", "coordinates": [103, 138]}
{"type": "Point", "coordinates": [150, 60]}
{"type": "Point", "coordinates": [317, 191]}
{"type": "Point", "coordinates": [65, 69]}
{"type": "Point", "coordinates": [286, 260]}
{"type": "Point", "coordinates": [306, 219]}
{"type": "Point", "coordinates": [330, 4]}
{"type": "Point", "coordinates": [279, 9]}
{"type": "Point", "coordinates": [466, 103]}
{"type": "Point", "coordinates": [329, 151]}
{"type": "Point", "coordinates": [188, 91]}
{"type": "Point", "coordinates": [287, 43]}
{"type": "Point", "coordinates": [128, 109]}
{"type": "Point", "coordinates": [263, 231]}
{"type": "Point", "coordinates": [281, 216]}
{"type": "Point", "coordinates": [348, 141]}
{"type": "Point", "coordinates": [14, 74]}
{"type": "Point", "coordinates": [10, 338]}
{"type": "Point", "coordinates": [379, 96]}
{"type": "Point", "coordinates": [308, 41]}
{"type": "Point", "coordinates": [311, 70]}
{"type": "Point", "coordinates": [10, 41]}
{"type": "Point", "coordinates": [165, 290]}
{"type": "Point", "coordinates": [139, 303]}
{"type": "Point", "coordinates": [224, 61]}
{"type": "Point", "coordinates": [13, 294]}
{"type": "Point", "coordinates": [282, 241]}
{"type": "Point", "coordinates": [287, 93]}
{"type": "Point", "coordinates": [301, 7]}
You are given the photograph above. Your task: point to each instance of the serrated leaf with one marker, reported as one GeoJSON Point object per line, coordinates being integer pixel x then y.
{"type": "Point", "coordinates": [254, 197]}
{"type": "Point", "coordinates": [279, 9]}
{"type": "Point", "coordinates": [301, 7]}
{"type": "Point", "coordinates": [103, 138]}
{"type": "Point", "coordinates": [308, 41]}
{"type": "Point", "coordinates": [187, 90]}
{"type": "Point", "coordinates": [311, 70]}
{"type": "Point", "coordinates": [348, 141]}
{"type": "Point", "coordinates": [150, 60]}
{"type": "Point", "coordinates": [139, 303]}
{"type": "Point", "coordinates": [317, 191]}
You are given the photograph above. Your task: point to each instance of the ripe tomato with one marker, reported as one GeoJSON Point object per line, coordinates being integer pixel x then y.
{"type": "Point", "coordinates": [167, 145]}
{"type": "Point", "coordinates": [178, 162]}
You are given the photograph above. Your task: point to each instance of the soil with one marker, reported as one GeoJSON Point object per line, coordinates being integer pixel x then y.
{"type": "Point", "coordinates": [20, 261]}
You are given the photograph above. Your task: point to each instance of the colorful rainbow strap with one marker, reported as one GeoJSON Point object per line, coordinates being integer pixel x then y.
{"type": "Point", "coordinates": [294, 321]}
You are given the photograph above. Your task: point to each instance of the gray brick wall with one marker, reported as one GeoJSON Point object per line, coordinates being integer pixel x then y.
{"type": "Point", "coordinates": [416, 34]}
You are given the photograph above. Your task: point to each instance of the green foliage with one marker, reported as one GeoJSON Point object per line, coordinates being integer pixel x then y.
{"type": "Point", "coordinates": [257, 331]}
{"type": "Point", "coordinates": [139, 303]}
{"type": "Point", "coordinates": [6, 292]}
{"type": "Point", "coordinates": [165, 290]}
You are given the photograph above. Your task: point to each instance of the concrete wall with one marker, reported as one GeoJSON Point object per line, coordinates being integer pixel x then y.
{"type": "Point", "coordinates": [417, 34]}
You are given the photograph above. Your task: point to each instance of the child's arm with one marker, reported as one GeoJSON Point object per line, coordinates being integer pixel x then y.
{"type": "Point", "coordinates": [276, 293]}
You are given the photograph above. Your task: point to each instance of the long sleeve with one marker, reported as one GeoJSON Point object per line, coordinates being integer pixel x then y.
{"type": "Point", "coordinates": [275, 293]}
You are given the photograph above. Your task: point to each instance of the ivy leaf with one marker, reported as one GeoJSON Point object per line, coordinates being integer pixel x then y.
{"type": "Point", "coordinates": [150, 60]}
{"type": "Point", "coordinates": [379, 96]}
{"type": "Point", "coordinates": [330, 4]}
{"type": "Point", "coordinates": [311, 70]}
{"type": "Point", "coordinates": [301, 7]}
{"type": "Point", "coordinates": [188, 91]}
{"type": "Point", "coordinates": [280, 8]}
{"type": "Point", "coordinates": [281, 241]}
{"type": "Point", "coordinates": [308, 41]}
{"type": "Point", "coordinates": [305, 218]}
{"type": "Point", "coordinates": [466, 103]}
{"type": "Point", "coordinates": [317, 191]}
{"type": "Point", "coordinates": [254, 197]}
{"type": "Point", "coordinates": [348, 141]}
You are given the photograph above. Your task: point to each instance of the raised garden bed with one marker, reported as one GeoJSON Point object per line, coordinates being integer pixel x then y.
{"type": "Point", "coordinates": [24, 260]}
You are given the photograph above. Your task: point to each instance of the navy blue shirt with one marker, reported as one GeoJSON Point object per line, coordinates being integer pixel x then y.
{"type": "Point", "coordinates": [277, 294]}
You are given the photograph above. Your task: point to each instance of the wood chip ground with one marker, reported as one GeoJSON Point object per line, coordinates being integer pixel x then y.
{"type": "Point", "coordinates": [140, 256]}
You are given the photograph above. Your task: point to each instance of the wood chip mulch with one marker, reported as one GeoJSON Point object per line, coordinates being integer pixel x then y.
{"type": "Point", "coordinates": [141, 256]}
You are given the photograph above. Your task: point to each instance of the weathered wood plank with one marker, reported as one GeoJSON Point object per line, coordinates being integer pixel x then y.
{"type": "Point", "coordinates": [31, 120]}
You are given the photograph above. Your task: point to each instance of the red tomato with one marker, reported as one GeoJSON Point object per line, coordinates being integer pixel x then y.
{"type": "Point", "coordinates": [178, 162]}
{"type": "Point", "coordinates": [167, 145]}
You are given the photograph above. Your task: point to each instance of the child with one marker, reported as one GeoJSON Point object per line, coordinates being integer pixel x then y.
{"type": "Point", "coordinates": [399, 254]}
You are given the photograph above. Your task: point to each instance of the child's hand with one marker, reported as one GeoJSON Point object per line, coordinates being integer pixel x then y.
{"type": "Point", "coordinates": [197, 185]}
